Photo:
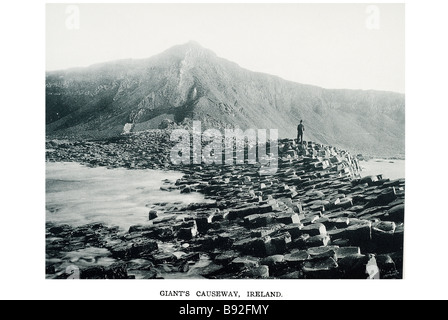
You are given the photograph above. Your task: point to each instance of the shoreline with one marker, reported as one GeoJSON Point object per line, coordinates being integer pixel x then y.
{"type": "Point", "coordinates": [312, 219]}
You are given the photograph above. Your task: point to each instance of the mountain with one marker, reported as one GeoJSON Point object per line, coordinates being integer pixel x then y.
{"type": "Point", "coordinates": [190, 82]}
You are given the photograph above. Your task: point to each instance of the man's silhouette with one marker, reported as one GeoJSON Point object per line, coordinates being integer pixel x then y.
{"type": "Point", "coordinates": [300, 129]}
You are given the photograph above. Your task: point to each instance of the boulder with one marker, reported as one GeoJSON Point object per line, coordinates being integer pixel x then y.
{"type": "Point", "coordinates": [276, 263]}
{"type": "Point", "coordinates": [94, 273]}
{"type": "Point", "coordinates": [340, 242]}
{"type": "Point", "coordinates": [344, 203]}
{"type": "Point", "coordinates": [210, 271]}
{"type": "Point", "coordinates": [320, 205]}
{"type": "Point", "coordinates": [382, 233]}
{"type": "Point", "coordinates": [347, 251]}
{"type": "Point", "coordinates": [356, 221]}
{"type": "Point", "coordinates": [340, 214]}
{"type": "Point", "coordinates": [291, 274]}
{"type": "Point", "coordinates": [224, 240]}
{"type": "Point", "coordinates": [163, 220]}
{"type": "Point", "coordinates": [117, 270]}
{"type": "Point", "coordinates": [204, 221]}
{"type": "Point", "coordinates": [297, 208]}
{"type": "Point", "coordinates": [140, 228]}
{"type": "Point", "coordinates": [297, 258]}
{"type": "Point", "coordinates": [206, 242]}
{"type": "Point", "coordinates": [394, 183]}
{"type": "Point", "coordinates": [186, 189]}
{"type": "Point", "coordinates": [387, 237]}
{"type": "Point", "coordinates": [336, 159]}
{"type": "Point", "coordinates": [179, 255]}
{"type": "Point", "coordinates": [321, 269]}
{"type": "Point", "coordinates": [281, 242]}
{"type": "Point", "coordinates": [261, 272]}
{"type": "Point", "coordinates": [287, 218]}
{"type": "Point", "coordinates": [397, 257]}
{"type": "Point", "coordinates": [246, 211]}
{"type": "Point", "coordinates": [325, 221]}
{"type": "Point", "coordinates": [354, 266]}
{"type": "Point", "coordinates": [188, 231]}
{"type": "Point", "coordinates": [273, 260]}
{"type": "Point", "coordinates": [266, 231]}
{"type": "Point", "coordinates": [143, 246]}
{"type": "Point", "coordinates": [386, 265]}
{"type": "Point", "coordinates": [245, 262]}
{"type": "Point", "coordinates": [190, 257]}
{"type": "Point", "coordinates": [305, 241]}
{"type": "Point", "coordinates": [300, 243]}
{"type": "Point", "coordinates": [61, 229]}
{"type": "Point", "coordinates": [398, 239]}
{"type": "Point", "coordinates": [336, 234]}
{"type": "Point", "coordinates": [340, 223]}
{"type": "Point", "coordinates": [333, 223]}
{"type": "Point", "coordinates": [372, 268]}
{"type": "Point", "coordinates": [164, 233]}
{"type": "Point", "coordinates": [294, 230]}
{"type": "Point", "coordinates": [260, 247]}
{"type": "Point", "coordinates": [134, 249]}
{"type": "Point", "coordinates": [263, 247]}
{"type": "Point", "coordinates": [226, 257]}
{"type": "Point", "coordinates": [315, 194]}
{"type": "Point", "coordinates": [152, 214]}
{"type": "Point", "coordinates": [387, 196]}
{"type": "Point", "coordinates": [314, 229]}
{"type": "Point", "coordinates": [396, 202]}
{"type": "Point", "coordinates": [373, 213]}
{"type": "Point", "coordinates": [396, 213]}
{"type": "Point", "coordinates": [246, 246]}
{"type": "Point", "coordinates": [360, 234]}
{"type": "Point", "coordinates": [310, 218]}
{"type": "Point", "coordinates": [50, 269]}
{"type": "Point", "coordinates": [334, 202]}
{"type": "Point", "coordinates": [384, 226]}
{"type": "Point", "coordinates": [258, 220]}
{"type": "Point", "coordinates": [370, 180]}
{"type": "Point", "coordinates": [323, 252]}
{"type": "Point", "coordinates": [317, 241]}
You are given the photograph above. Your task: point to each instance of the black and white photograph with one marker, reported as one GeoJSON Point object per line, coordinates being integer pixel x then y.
{"type": "Point", "coordinates": [224, 141]}
{"type": "Point", "coordinates": [218, 159]}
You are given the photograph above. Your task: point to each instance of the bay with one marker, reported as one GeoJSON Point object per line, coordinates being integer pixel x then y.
{"type": "Point", "coordinates": [78, 195]}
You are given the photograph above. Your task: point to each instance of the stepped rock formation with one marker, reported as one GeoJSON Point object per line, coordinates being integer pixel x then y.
{"type": "Point", "coordinates": [188, 82]}
{"type": "Point", "coordinates": [315, 218]}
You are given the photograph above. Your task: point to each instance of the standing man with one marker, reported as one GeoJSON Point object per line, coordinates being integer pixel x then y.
{"type": "Point", "coordinates": [300, 129]}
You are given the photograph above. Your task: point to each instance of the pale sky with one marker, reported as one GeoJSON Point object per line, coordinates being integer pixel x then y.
{"type": "Point", "coordinates": [346, 46]}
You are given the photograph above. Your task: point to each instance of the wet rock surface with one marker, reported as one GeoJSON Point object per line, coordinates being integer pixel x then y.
{"type": "Point", "coordinates": [313, 219]}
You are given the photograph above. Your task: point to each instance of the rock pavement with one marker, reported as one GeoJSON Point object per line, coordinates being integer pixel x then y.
{"type": "Point", "coordinates": [314, 219]}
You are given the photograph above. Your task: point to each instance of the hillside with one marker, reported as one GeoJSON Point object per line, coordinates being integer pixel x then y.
{"type": "Point", "coordinates": [190, 82]}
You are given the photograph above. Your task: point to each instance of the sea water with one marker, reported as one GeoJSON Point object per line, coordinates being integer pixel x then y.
{"type": "Point", "coordinates": [390, 169]}
{"type": "Point", "coordinates": [78, 195]}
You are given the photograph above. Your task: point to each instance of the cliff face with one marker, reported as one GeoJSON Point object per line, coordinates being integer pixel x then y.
{"type": "Point", "coordinates": [189, 82]}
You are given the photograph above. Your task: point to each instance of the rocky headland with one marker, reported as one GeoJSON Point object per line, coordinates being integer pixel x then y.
{"type": "Point", "coordinates": [316, 218]}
